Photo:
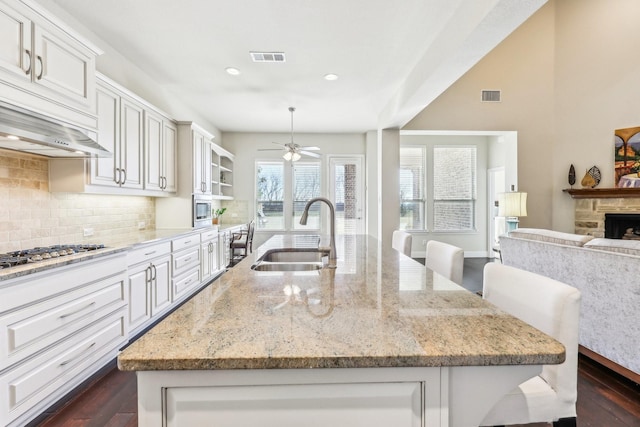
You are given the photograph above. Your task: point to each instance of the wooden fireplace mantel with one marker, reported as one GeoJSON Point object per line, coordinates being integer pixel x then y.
{"type": "Point", "coordinates": [603, 193]}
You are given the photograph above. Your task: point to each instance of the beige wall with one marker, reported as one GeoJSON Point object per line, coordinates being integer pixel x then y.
{"type": "Point", "coordinates": [568, 80]}
{"type": "Point", "coordinates": [30, 216]}
{"type": "Point", "coordinates": [522, 68]}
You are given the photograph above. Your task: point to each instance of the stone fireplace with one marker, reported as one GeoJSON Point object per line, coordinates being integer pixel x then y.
{"type": "Point", "coordinates": [591, 213]}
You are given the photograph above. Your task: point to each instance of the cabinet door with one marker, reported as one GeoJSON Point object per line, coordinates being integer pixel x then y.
{"type": "Point", "coordinates": [131, 142]}
{"type": "Point", "coordinates": [170, 155]}
{"type": "Point", "coordinates": [15, 44]}
{"type": "Point", "coordinates": [64, 66]}
{"type": "Point", "coordinates": [161, 285]}
{"type": "Point", "coordinates": [153, 151]}
{"type": "Point", "coordinates": [139, 293]}
{"type": "Point", "coordinates": [103, 170]}
{"type": "Point", "coordinates": [209, 266]}
{"type": "Point", "coordinates": [199, 185]}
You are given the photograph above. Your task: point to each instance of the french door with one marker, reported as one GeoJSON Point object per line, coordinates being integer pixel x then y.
{"type": "Point", "coordinates": [346, 190]}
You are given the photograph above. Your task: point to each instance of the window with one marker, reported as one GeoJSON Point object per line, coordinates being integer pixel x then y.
{"type": "Point", "coordinates": [452, 191]}
{"type": "Point", "coordinates": [412, 182]}
{"type": "Point", "coordinates": [269, 196]}
{"type": "Point", "coordinates": [454, 188]}
{"type": "Point", "coordinates": [306, 185]}
{"type": "Point", "coordinates": [282, 187]}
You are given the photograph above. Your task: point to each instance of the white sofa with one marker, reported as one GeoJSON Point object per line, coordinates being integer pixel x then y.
{"type": "Point", "coordinates": [607, 273]}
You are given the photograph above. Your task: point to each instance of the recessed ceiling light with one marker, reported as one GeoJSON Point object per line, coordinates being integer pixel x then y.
{"type": "Point", "coordinates": [232, 71]}
{"type": "Point", "coordinates": [331, 77]}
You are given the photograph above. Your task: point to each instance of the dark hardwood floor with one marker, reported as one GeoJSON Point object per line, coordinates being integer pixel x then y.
{"type": "Point", "coordinates": [605, 399]}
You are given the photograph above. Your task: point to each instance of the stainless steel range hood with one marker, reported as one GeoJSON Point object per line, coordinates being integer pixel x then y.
{"type": "Point", "coordinates": [29, 132]}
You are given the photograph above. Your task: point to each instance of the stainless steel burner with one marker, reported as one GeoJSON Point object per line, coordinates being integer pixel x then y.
{"type": "Point", "coordinates": [38, 254]}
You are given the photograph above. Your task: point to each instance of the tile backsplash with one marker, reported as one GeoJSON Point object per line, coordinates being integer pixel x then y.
{"type": "Point", "coordinates": [32, 216]}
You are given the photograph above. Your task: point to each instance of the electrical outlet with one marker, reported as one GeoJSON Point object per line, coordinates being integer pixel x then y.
{"type": "Point", "coordinates": [424, 242]}
{"type": "Point", "coordinates": [234, 215]}
{"type": "Point", "coordinates": [87, 232]}
{"type": "Point", "coordinates": [142, 225]}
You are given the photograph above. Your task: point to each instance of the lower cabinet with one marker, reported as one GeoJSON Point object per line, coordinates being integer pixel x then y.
{"type": "Point", "coordinates": [57, 329]}
{"type": "Point", "coordinates": [186, 265]}
{"type": "Point", "coordinates": [148, 284]}
{"type": "Point", "coordinates": [209, 253]}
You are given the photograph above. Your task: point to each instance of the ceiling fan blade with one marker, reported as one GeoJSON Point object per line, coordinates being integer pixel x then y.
{"type": "Point", "coordinates": [310, 148]}
{"type": "Point", "coordinates": [310, 154]}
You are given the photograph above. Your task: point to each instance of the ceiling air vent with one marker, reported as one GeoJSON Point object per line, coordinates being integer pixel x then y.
{"type": "Point", "coordinates": [490, 96]}
{"type": "Point", "coordinates": [267, 56]}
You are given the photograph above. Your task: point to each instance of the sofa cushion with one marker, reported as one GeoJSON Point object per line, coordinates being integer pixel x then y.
{"type": "Point", "coordinates": [630, 247]}
{"type": "Point", "coordinates": [550, 236]}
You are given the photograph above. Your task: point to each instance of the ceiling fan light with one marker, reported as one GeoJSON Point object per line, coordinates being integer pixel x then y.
{"type": "Point", "coordinates": [295, 157]}
{"type": "Point", "coordinates": [287, 156]}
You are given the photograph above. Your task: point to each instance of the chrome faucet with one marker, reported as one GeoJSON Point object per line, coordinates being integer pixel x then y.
{"type": "Point", "coordinates": [303, 221]}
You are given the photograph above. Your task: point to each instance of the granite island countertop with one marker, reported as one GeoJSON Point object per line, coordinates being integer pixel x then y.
{"type": "Point", "coordinates": [378, 308]}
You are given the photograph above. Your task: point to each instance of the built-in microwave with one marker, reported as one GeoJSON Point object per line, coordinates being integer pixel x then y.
{"type": "Point", "coordinates": [202, 214]}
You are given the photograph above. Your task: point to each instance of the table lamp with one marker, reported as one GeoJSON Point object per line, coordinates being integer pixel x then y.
{"type": "Point", "coordinates": [511, 206]}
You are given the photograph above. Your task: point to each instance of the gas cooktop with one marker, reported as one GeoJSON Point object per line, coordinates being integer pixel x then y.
{"type": "Point", "coordinates": [12, 259]}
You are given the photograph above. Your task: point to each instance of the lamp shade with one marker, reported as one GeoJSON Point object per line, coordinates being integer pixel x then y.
{"type": "Point", "coordinates": [512, 204]}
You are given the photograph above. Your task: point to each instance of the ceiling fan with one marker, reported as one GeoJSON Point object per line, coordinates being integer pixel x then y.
{"type": "Point", "coordinates": [293, 151]}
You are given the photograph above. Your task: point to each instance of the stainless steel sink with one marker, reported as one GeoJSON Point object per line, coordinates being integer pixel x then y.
{"type": "Point", "coordinates": [287, 266]}
{"type": "Point", "coordinates": [291, 260]}
{"type": "Point", "coordinates": [295, 255]}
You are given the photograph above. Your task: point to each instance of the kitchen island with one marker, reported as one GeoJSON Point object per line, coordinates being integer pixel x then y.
{"type": "Point", "coordinates": [380, 340]}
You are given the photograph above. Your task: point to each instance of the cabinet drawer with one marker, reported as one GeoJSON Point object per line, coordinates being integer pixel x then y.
{"type": "Point", "coordinates": [185, 242]}
{"type": "Point", "coordinates": [185, 259]}
{"type": "Point", "coordinates": [209, 235]}
{"type": "Point", "coordinates": [33, 328]}
{"type": "Point", "coordinates": [146, 253]}
{"type": "Point", "coordinates": [56, 371]}
{"type": "Point", "coordinates": [182, 284]}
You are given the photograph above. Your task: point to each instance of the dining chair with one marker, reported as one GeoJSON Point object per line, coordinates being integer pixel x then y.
{"type": "Point", "coordinates": [401, 242]}
{"type": "Point", "coordinates": [552, 307]}
{"type": "Point", "coordinates": [445, 259]}
{"type": "Point", "coordinates": [242, 241]}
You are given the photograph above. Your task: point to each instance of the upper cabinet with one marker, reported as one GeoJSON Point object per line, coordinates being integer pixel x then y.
{"type": "Point", "coordinates": [121, 131]}
{"type": "Point", "coordinates": [160, 145]}
{"type": "Point", "coordinates": [44, 66]}
{"type": "Point", "coordinates": [200, 141]}
{"type": "Point", "coordinates": [143, 142]}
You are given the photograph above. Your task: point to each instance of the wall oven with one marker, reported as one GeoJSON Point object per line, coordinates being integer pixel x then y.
{"type": "Point", "coordinates": [202, 214]}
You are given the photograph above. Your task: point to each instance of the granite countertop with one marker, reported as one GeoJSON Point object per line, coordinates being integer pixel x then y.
{"type": "Point", "coordinates": [122, 244]}
{"type": "Point", "coordinates": [377, 309]}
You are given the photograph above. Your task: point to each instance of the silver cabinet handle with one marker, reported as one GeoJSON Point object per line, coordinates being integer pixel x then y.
{"type": "Point", "coordinates": [147, 274]}
{"type": "Point", "coordinates": [154, 272]}
{"type": "Point", "coordinates": [124, 172]}
{"type": "Point", "coordinates": [41, 67]}
{"type": "Point", "coordinates": [66, 362]}
{"type": "Point", "coordinates": [150, 253]}
{"type": "Point", "coordinates": [28, 70]}
{"type": "Point", "coordinates": [116, 176]}
{"type": "Point", "coordinates": [63, 316]}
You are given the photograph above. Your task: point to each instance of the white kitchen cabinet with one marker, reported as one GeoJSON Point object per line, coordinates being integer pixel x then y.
{"type": "Point", "coordinates": [201, 161]}
{"type": "Point", "coordinates": [209, 267]}
{"type": "Point", "coordinates": [148, 284]}
{"type": "Point", "coordinates": [44, 66]}
{"type": "Point", "coordinates": [185, 266]}
{"type": "Point", "coordinates": [143, 142]}
{"type": "Point", "coordinates": [160, 143]}
{"type": "Point", "coordinates": [121, 132]}
{"type": "Point", "coordinates": [58, 327]}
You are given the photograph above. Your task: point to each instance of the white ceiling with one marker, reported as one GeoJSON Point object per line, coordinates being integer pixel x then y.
{"type": "Point", "coordinates": [392, 57]}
